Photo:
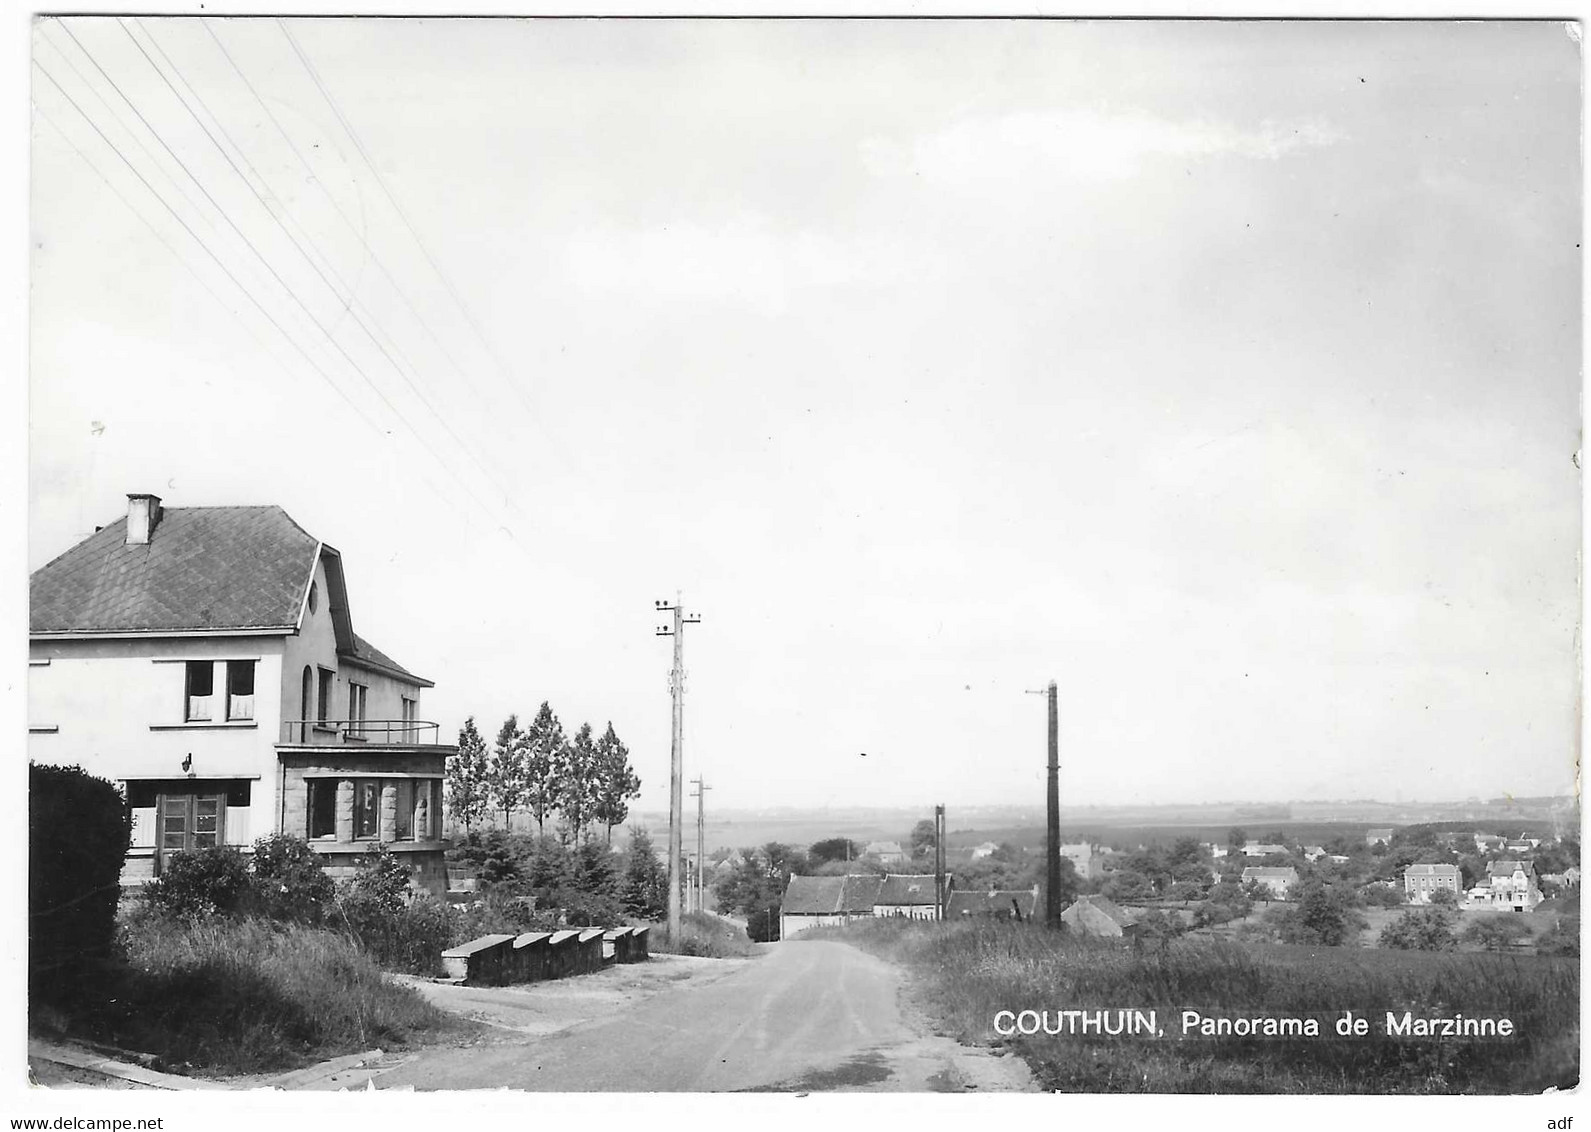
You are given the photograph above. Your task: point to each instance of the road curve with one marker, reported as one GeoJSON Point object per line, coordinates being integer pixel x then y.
{"type": "Point", "coordinates": [804, 1008]}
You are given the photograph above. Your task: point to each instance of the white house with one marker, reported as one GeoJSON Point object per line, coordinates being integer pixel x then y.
{"type": "Point", "coordinates": [1278, 881]}
{"type": "Point", "coordinates": [1507, 884]}
{"type": "Point", "coordinates": [204, 659]}
{"type": "Point", "coordinates": [1421, 882]}
{"type": "Point", "coordinates": [913, 896]}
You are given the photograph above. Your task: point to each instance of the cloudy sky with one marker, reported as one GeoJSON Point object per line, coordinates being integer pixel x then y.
{"type": "Point", "coordinates": [1225, 373]}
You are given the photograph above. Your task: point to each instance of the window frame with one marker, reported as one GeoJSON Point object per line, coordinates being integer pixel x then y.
{"type": "Point", "coordinates": [190, 712]}
{"type": "Point", "coordinates": [234, 711]}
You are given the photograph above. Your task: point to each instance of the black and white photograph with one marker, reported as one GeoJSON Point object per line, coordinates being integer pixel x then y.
{"type": "Point", "coordinates": [797, 555]}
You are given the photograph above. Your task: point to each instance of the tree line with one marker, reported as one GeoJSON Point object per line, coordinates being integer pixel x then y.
{"type": "Point", "coordinates": [585, 781]}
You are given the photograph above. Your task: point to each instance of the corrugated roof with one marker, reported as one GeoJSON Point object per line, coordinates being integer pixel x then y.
{"type": "Point", "coordinates": [906, 889]}
{"type": "Point", "coordinates": [204, 568]}
{"type": "Point", "coordinates": [813, 895]}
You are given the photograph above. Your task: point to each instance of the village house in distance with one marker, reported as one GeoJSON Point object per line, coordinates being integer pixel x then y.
{"type": "Point", "coordinates": [204, 659]}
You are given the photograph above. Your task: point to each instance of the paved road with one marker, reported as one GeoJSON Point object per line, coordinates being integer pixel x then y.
{"type": "Point", "coordinates": [807, 1015]}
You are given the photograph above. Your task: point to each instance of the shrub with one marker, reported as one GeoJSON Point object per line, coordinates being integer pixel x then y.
{"type": "Point", "coordinates": [762, 926]}
{"type": "Point", "coordinates": [250, 996]}
{"type": "Point", "coordinates": [1381, 896]}
{"type": "Point", "coordinates": [409, 938]}
{"type": "Point", "coordinates": [1428, 929]}
{"type": "Point", "coordinates": [78, 833]}
{"type": "Point", "coordinates": [1495, 933]}
{"type": "Point", "coordinates": [289, 882]}
{"type": "Point", "coordinates": [202, 882]}
{"type": "Point", "coordinates": [702, 933]}
{"type": "Point", "coordinates": [1444, 898]}
{"type": "Point", "coordinates": [1563, 938]}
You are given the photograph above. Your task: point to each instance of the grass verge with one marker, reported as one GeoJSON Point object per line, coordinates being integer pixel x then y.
{"type": "Point", "coordinates": [965, 973]}
{"type": "Point", "coordinates": [251, 996]}
{"type": "Point", "coordinates": [702, 933]}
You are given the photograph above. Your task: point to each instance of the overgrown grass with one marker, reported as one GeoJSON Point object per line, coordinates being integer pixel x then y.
{"type": "Point", "coordinates": [251, 996]}
{"type": "Point", "coordinates": [702, 933]}
{"type": "Point", "coordinates": [965, 973]}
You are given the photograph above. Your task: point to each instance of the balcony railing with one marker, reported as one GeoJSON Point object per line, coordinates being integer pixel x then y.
{"type": "Point", "coordinates": [382, 732]}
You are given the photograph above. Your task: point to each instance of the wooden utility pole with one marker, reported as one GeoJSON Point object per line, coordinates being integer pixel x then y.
{"type": "Point", "coordinates": [939, 862]}
{"type": "Point", "coordinates": [1052, 841]}
{"type": "Point", "coordinates": [676, 754]}
{"type": "Point", "coordinates": [701, 844]}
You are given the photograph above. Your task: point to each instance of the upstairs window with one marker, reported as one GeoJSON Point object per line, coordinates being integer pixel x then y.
{"type": "Point", "coordinates": [240, 689]}
{"type": "Point", "coordinates": [357, 696]}
{"type": "Point", "coordinates": [201, 691]}
{"type": "Point", "coordinates": [323, 701]}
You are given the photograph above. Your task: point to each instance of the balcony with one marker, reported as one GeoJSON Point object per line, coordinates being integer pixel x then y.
{"type": "Point", "coordinates": [353, 733]}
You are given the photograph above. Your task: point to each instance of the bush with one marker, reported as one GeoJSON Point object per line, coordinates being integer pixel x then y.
{"type": "Point", "coordinates": [202, 882]}
{"type": "Point", "coordinates": [1429, 929]}
{"type": "Point", "coordinates": [1563, 938]}
{"type": "Point", "coordinates": [409, 938]}
{"type": "Point", "coordinates": [251, 996]}
{"type": "Point", "coordinates": [1381, 896]}
{"type": "Point", "coordinates": [762, 926]}
{"type": "Point", "coordinates": [1444, 898]}
{"type": "Point", "coordinates": [78, 833]}
{"type": "Point", "coordinates": [289, 882]}
{"type": "Point", "coordinates": [702, 933]}
{"type": "Point", "coordinates": [1494, 933]}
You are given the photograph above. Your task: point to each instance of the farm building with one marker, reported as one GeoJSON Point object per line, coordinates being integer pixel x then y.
{"type": "Point", "coordinates": [1000, 904]}
{"type": "Point", "coordinates": [1097, 916]}
{"type": "Point", "coordinates": [1278, 881]}
{"type": "Point", "coordinates": [834, 901]}
{"type": "Point", "coordinates": [1421, 882]}
{"type": "Point", "coordinates": [912, 896]}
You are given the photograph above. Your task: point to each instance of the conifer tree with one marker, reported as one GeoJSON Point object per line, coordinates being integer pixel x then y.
{"type": "Point", "coordinates": [544, 754]}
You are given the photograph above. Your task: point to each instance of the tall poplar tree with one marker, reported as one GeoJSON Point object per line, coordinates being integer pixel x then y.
{"type": "Point", "coordinates": [466, 777]}
{"type": "Point", "coordinates": [544, 754]}
{"type": "Point", "coordinates": [505, 773]}
{"type": "Point", "coordinates": [616, 781]}
{"type": "Point", "coordinates": [577, 782]}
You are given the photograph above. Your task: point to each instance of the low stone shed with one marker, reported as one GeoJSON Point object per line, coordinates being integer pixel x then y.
{"type": "Point", "coordinates": [480, 961]}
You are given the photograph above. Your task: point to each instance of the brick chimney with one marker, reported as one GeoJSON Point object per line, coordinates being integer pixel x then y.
{"type": "Point", "coordinates": [143, 512]}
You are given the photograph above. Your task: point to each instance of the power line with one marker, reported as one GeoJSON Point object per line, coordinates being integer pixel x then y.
{"type": "Point", "coordinates": [402, 215]}
{"type": "Point", "coordinates": [207, 249]}
{"type": "Point", "coordinates": [342, 215]}
{"type": "Point", "coordinates": [424, 401]}
{"type": "Point", "coordinates": [291, 293]}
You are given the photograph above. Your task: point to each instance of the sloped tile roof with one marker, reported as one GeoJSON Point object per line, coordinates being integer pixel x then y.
{"type": "Point", "coordinates": [203, 568]}
{"type": "Point", "coordinates": [1432, 870]}
{"type": "Point", "coordinates": [997, 902]}
{"type": "Point", "coordinates": [860, 892]}
{"type": "Point", "coordinates": [1507, 868]}
{"type": "Point", "coordinates": [813, 895]}
{"type": "Point", "coordinates": [367, 654]}
{"type": "Point", "coordinates": [906, 889]}
{"type": "Point", "coordinates": [1084, 907]}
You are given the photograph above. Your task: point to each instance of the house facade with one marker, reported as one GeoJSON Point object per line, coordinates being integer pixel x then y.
{"type": "Point", "coordinates": [1507, 884]}
{"type": "Point", "coordinates": [1278, 881]}
{"type": "Point", "coordinates": [204, 659]}
{"type": "Point", "coordinates": [832, 901]}
{"type": "Point", "coordinates": [912, 896]}
{"type": "Point", "coordinates": [1085, 859]}
{"type": "Point", "coordinates": [885, 852]}
{"type": "Point", "coordinates": [997, 904]}
{"type": "Point", "coordinates": [1421, 882]}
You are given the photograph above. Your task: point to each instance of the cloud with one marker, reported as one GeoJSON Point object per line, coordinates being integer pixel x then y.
{"type": "Point", "coordinates": [1084, 144]}
{"type": "Point", "coordinates": [742, 260]}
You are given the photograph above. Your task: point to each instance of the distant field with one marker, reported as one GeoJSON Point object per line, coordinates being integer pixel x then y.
{"type": "Point", "coordinates": [803, 830]}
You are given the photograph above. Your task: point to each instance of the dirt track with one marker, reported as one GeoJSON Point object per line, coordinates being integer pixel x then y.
{"type": "Point", "coordinates": [804, 1016]}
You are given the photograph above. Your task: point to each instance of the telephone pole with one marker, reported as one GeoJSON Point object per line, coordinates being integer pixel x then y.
{"type": "Point", "coordinates": [1052, 841]}
{"type": "Point", "coordinates": [676, 682]}
{"type": "Point", "coordinates": [939, 862]}
{"type": "Point", "coordinates": [701, 844]}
